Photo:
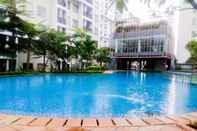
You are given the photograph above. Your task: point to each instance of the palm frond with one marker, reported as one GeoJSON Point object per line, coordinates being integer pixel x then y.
{"type": "Point", "coordinates": [121, 5]}
{"type": "Point", "coordinates": [193, 3]}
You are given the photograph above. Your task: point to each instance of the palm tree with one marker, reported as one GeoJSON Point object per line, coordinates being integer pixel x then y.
{"type": "Point", "coordinates": [122, 4]}
{"type": "Point", "coordinates": [193, 3]}
{"type": "Point", "coordinates": [103, 55]}
{"type": "Point", "coordinates": [31, 32]}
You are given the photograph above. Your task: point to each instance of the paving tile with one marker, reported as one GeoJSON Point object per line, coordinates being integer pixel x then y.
{"type": "Point", "coordinates": [127, 129]}
{"type": "Point", "coordinates": [166, 120]}
{"type": "Point", "coordinates": [40, 122]}
{"type": "Point", "coordinates": [30, 128]}
{"type": "Point", "coordinates": [193, 114]}
{"type": "Point", "coordinates": [104, 129]}
{"type": "Point", "coordinates": [24, 121]}
{"type": "Point", "coordinates": [2, 116]}
{"type": "Point", "coordinates": [18, 128]}
{"type": "Point", "coordinates": [152, 120]}
{"type": "Point", "coordinates": [89, 122]}
{"type": "Point", "coordinates": [185, 127]}
{"type": "Point", "coordinates": [7, 128]}
{"type": "Point", "coordinates": [73, 123]}
{"type": "Point", "coordinates": [136, 122]}
{"type": "Point", "coordinates": [78, 129]}
{"type": "Point", "coordinates": [57, 122]}
{"type": "Point", "coordinates": [179, 119]}
{"type": "Point", "coordinates": [161, 128]}
{"type": "Point", "coordinates": [8, 120]}
{"type": "Point", "coordinates": [189, 117]}
{"type": "Point", "coordinates": [121, 122]}
{"type": "Point", "coordinates": [54, 129]}
{"type": "Point", "coordinates": [105, 122]}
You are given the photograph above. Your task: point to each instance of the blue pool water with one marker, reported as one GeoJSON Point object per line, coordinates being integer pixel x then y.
{"type": "Point", "coordinates": [97, 95]}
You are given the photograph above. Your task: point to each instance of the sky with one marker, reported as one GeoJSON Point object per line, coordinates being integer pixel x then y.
{"type": "Point", "coordinates": [141, 10]}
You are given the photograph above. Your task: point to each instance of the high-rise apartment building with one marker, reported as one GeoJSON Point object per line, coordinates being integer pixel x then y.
{"type": "Point", "coordinates": [94, 16]}
{"type": "Point", "coordinates": [186, 30]}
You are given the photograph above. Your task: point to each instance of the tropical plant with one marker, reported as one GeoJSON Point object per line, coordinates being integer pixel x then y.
{"type": "Point", "coordinates": [84, 47]}
{"type": "Point", "coordinates": [51, 46]}
{"type": "Point", "coordinates": [122, 4]}
{"type": "Point", "coordinates": [103, 56]}
{"type": "Point", "coordinates": [192, 48]}
{"type": "Point", "coordinates": [193, 3]}
{"type": "Point", "coordinates": [87, 50]}
{"type": "Point", "coordinates": [30, 31]}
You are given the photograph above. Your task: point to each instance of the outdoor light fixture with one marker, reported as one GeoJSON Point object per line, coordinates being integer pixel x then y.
{"type": "Point", "coordinates": [7, 38]}
{"type": "Point", "coordinates": [7, 46]}
{"type": "Point", "coordinates": [37, 38]}
{"type": "Point", "coordinates": [16, 40]}
{"type": "Point", "coordinates": [26, 36]}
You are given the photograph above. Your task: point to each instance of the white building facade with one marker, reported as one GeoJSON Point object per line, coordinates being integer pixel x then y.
{"type": "Point", "coordinates": [186, 30]}
{"type": "Point", "coordinates": [67, 15]}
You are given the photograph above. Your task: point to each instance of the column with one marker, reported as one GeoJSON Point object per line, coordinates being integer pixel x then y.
{"type": "Point", "coordinates": [139, 46]}
{"type": "Point", "coordinates": [7, 65]}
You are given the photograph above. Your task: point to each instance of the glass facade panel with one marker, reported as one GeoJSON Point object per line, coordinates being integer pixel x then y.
{"type": "Point", "coordinates": [89, 1]}
{"type": "Point", "coordinates": [61, 16]}
{"type": "Point", "coordinates": [141, 46]}
{"type": "Point", "coordinates": [62, 2]}
{"type": "Point", "coordinates": [76, 6]}
{"type": "Point", "coordinates": [87, 11]}
{"type": "Point", "coordinates": [87, 25]}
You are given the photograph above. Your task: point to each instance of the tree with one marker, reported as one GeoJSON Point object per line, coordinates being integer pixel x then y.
{"type": "Point", "coordinates": [192, 48]}
{"type": "Point", "coordinates": [88, 49]}
{"type": "Point", "coordinates": [51, 45]}
{"type": "Point", "coordinates": [13, 23]}
{"type": "Point", "coordinates": [121, 5]}
{"type": "Point", "coordinates": [103, 55]}
{"type": "Point", "coordinates": [85, 47]}
{"type": "Point", "coordinates": [30, 31]}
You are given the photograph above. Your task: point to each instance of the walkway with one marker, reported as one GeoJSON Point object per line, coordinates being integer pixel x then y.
{"type": "Point", "coordinates": [27, 123]}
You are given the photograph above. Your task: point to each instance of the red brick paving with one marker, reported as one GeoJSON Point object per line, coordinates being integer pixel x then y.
{"type": "Point", "coordinates": [24, 123]}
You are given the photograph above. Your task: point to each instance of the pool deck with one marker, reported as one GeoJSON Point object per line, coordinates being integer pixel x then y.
{"type": "Point", "coordinates": [155, 123]}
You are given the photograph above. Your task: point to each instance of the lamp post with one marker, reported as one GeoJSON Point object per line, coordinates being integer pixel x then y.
{"type": "Point", "coordinates": [17, 53]}
{"type": "Point", "coordinates": [7, 47]}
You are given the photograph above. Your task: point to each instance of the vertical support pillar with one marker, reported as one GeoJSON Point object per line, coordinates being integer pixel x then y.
{"type": "Point", "coordinates": [7, 65]}
{"type": "Point", "coordinates": [61, 65]}
{"type": "Point", "coordinates": [139, 46]}
{"type": "Point", "coordinates": [116, 46]}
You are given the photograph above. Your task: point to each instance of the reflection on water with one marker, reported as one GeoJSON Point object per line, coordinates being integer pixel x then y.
{"type": "Point", "coordinates": [117, 94]}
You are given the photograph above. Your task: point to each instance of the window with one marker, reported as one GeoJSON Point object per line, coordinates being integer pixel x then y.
{"type": "Point", "coordinates": [194, 34]}
{"type": "Point", "coordinates": [76, 6]}
{"type": "Point", "coordinates": [194, 21]}
{"type": "Point", "coordinates": [87, 25]}
{"type": "Point", "coordinates": [75, 23]}
{"type": "Point", "coordinates": [61, 16]}
{"type": "Point", "coordinates": [89, 1]}
{"type": "Point", "coordinates": [62, 2]}
{"type": "Point", "coordinates": [87, 11]}
{"type": "Point", "coordinates": [96, 31]}
{"type": "Point", "coordinates": [69, 4]}
{"type": "Point", "coordinates": [61, 29]}
{"type": "Point", "coordinates": [30, 9]}
{"type": "Point", "coordinates": [41, 12]}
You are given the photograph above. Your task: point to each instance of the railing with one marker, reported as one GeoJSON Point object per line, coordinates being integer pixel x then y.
{"type": "Point", "coordinates": [143, 54]}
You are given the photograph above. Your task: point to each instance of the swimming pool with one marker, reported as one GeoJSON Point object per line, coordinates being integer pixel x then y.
{"type": "Point", "coordinates": [97, 95]}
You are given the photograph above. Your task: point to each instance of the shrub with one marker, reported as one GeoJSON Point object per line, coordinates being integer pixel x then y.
{"type": "Point", "coordinates": [96, 68]}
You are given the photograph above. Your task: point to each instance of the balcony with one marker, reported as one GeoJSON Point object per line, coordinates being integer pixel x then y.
{"type": "Point", "coordinates": [143, 55]}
